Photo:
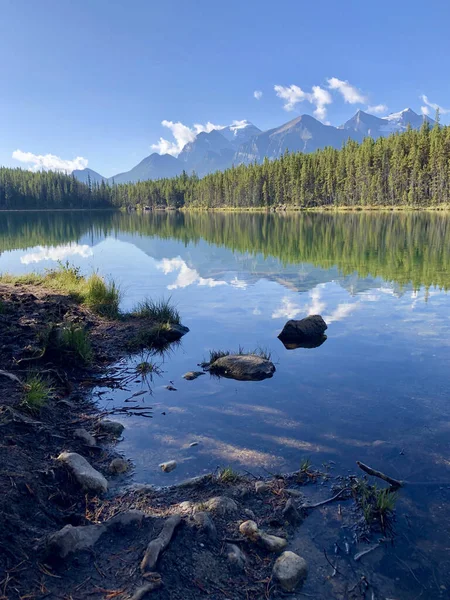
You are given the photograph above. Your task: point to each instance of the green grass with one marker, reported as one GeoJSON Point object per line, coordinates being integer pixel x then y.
{"type": "Point", "coordinates": [153, 337]}
{"type": "Point", "coordinates": [74, 340]}
{"type": "Point", "coordinates": [377, 504]}
{"type": "Point", "coordinates": [147, 367]}
{"type": "Point", "coordinates": [100, 296]}
{"type": "Point", "coordinates": [37, 391]}
{"type": "Point", "coordinates": [385, 501]}
{"type": "Point", "coordinates": [305, 465]}
{"type": "Point", "coordinates": [216, 354]}
{"type": "Point", "coordinates": [228, 475]}
{"type": "Point", "coordinates": [160, 311]}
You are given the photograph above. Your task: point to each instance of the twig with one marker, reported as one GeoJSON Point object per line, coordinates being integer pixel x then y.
{"type": "Point", "coordinates": [359, 555]}
{"type": "Point", "coordinates": [335, 571]}
{"type": "Point", "coordinates": [394, 482]}
{"type": "Point", "coordinates": [326, 501]}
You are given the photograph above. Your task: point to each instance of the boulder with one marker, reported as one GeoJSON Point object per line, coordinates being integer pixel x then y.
{"type": "Point", "coordinates": [90, 480]}
{"type": "Point", "coordinates": [168, 466]}
{"type": "Point", "coordinates": [113, 428]}
{"type": "Point", "coordinates": [243, 367]}
{"type": "Point", "coordinates": [290, 570]}
{"type": "Point", "coordinates": [271, 543]}
{"type": "Point", "coordinates": [308, 332]}
{"type": "Point", "coordinates": [173, 332]}
{"type": "Point", "coordinates": [84, 436]}
{"type": "Point", "coordinates": [129, 517]}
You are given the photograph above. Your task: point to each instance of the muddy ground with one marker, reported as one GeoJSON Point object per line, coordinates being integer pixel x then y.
{"type": "Point", "coordinates": [39, 496]}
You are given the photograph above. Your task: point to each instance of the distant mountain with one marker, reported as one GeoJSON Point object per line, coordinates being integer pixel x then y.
{"type": "Point", "coordinates": [84, 175]}
{"type": "Point", "coordinates": [366, 125]}
{"type": "Point", "coordinates": [240, 132]}
{"type": "Point", "coordinates": [303, 134]}
{"type": "Point", "coordinates": [155, 166]}
{"type": "Point", "coordinates": [243, 143]}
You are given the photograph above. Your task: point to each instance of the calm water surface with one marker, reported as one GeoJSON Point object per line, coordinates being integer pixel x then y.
{"type": "Point", "coordinates": [378, 389]}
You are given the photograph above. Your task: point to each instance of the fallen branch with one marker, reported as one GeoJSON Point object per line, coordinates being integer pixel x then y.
{"type": "Point", "coordinates": [326, 501]}
{"type": "Point", "coordinates": [359, 555]}
{"type": "Point", "coordinates": [394, 482]}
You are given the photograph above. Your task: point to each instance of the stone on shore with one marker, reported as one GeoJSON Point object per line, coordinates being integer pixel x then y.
{"type": "Point", "coordinates": [174, 332]}
{"type": "Point", "coordinates": [84, 436]}
{"type": "Point", "coordinates": [243, 367]}
{"type": "Point", "coordinates": [271, 543]}
{"type": "Point", "coordinates": [206, 525]}
{"type": "Point", "coordinates": [236, 557]}
{"type": "Point", "coordinates": [89, 478]}
{"type": "Point", "coordinates": [71, 539]}
{"type": "Point", "coordinates": [261, 487]}
{"type": "Point", "coordinates": [290, 570]}
{"type": "Point", "coordinates": [222, 505]}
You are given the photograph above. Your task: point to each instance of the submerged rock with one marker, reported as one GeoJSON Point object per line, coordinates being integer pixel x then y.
{"type": "Point", "coordinates": [168, 466]}
{"type": "Point", "coordinates": [290, 570]}
{"type": "Point", "coordinates": [243, 367]}
{"type": "Point", "coordinates": [118, 466]}
{"type": "Point", "coordinates": [190, 375]}
{"type": "Point", "coordinates": [308, 332]}
{"type": "Point", "coordinates": [113, 428]}
{"type": "Point", "coordinates": [90, 480]}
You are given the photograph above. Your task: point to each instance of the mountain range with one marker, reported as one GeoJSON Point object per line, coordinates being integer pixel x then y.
{"type": "Point", "coordinates": [244, 143]}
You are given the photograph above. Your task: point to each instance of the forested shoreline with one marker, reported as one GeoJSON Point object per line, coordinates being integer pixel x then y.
{"type": "Point", "coordinates": [407, 170]}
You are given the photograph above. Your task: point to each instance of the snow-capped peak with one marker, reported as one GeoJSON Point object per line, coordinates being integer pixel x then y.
{"type": "Point", "coordinates": [398, 116]}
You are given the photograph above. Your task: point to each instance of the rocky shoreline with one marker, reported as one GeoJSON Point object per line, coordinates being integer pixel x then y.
{"type": "Point", "coordinates": [70, 530]}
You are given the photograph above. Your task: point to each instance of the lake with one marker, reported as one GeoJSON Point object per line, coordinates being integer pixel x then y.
{"type": "Point", "coordinates": [377, 390]}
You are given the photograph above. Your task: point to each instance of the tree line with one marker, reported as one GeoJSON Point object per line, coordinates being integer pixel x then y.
{"type": "Point", "coordinates": [405, 248]}
{"type": "Point", "coordinates": [410, 169]}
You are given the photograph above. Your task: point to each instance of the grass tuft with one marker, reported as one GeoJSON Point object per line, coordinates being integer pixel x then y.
{"type": "Point", "coordinates": [228, 475]}
{"type": "Point", "coordinates": [74, 340]}
{"type": "Point", "coordinates": [102, 297]}
{"type": "Point", "coordinates": [160, 311]}
{"type": "Point", "coordinates": [37, 391]}
{"type": "Point", "coordinates": [216, 354]}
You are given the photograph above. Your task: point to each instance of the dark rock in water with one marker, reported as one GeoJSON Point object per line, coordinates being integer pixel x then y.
{"type": "Point", "coordinates": [309, 330]}
{"type": "Point", "coordinates": [307, 343]}
{"type": "Point", "coordinates": [243, 367]}
{"type": "Point", "coordinates": [174, 332]}
{"type": "Point", "coordinates": [190, 375]}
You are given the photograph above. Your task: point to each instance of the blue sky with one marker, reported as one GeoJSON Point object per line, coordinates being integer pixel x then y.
{"type": "Point", "coordinates": [95, 79]}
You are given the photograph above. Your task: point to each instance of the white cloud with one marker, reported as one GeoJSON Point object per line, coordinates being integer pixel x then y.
{"type": "Point", "coordinates": [293, 94]}
{"type": "Point", "coordinates": [57, 253]}
{"type": "Point", "coordinates": [433, 105]}
{"type": "Point", "coordinates": [378, 109]}
{"type": "Point", "coordinates": [341, 311]}
{"type": "Point", "coordinates": [350, 93]}
{"type": "Point", "coordinates": [182, 134]}
{"type": "Point", "coordinates": [186, 275]}
{"type": "Point", "coordinates": [257, 94]}
{"type": "Point", "coordinates": [425, 110]}
{"type": "Point", "coordinates": [49, 162]}
{"type": "Point", "coordinates": [288, 309]}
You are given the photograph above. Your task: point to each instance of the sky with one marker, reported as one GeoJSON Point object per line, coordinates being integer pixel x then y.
{"type": "Point", "coordinates": [103, 83]}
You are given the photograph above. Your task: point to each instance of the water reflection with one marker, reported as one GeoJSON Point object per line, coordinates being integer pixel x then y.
{"type": "Point", "coordinates": [376, 391]}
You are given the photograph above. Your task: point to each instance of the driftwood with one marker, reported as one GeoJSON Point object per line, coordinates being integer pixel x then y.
{"type": "Point", "coordinates": [159, 544]}
{"type": "Point", "coordinates": [394, 482]}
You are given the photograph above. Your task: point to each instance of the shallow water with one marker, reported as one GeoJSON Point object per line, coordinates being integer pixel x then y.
{"type": "Point", "coordinates": [376, 391]}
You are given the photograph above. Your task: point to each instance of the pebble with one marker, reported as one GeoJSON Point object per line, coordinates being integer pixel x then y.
{"type": "Point", "coordinates": [222, 505]}
{"type": "Point", "coordinates": [236, 557]}
{"type": "Point", "coordinates": [190, 375]}
{"type": "Point", "coordinates": [168, 466]}
{"type": "Point", "coordinates": [271, 543]}
{"type": "Point", "coordinates": [261, 487]}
